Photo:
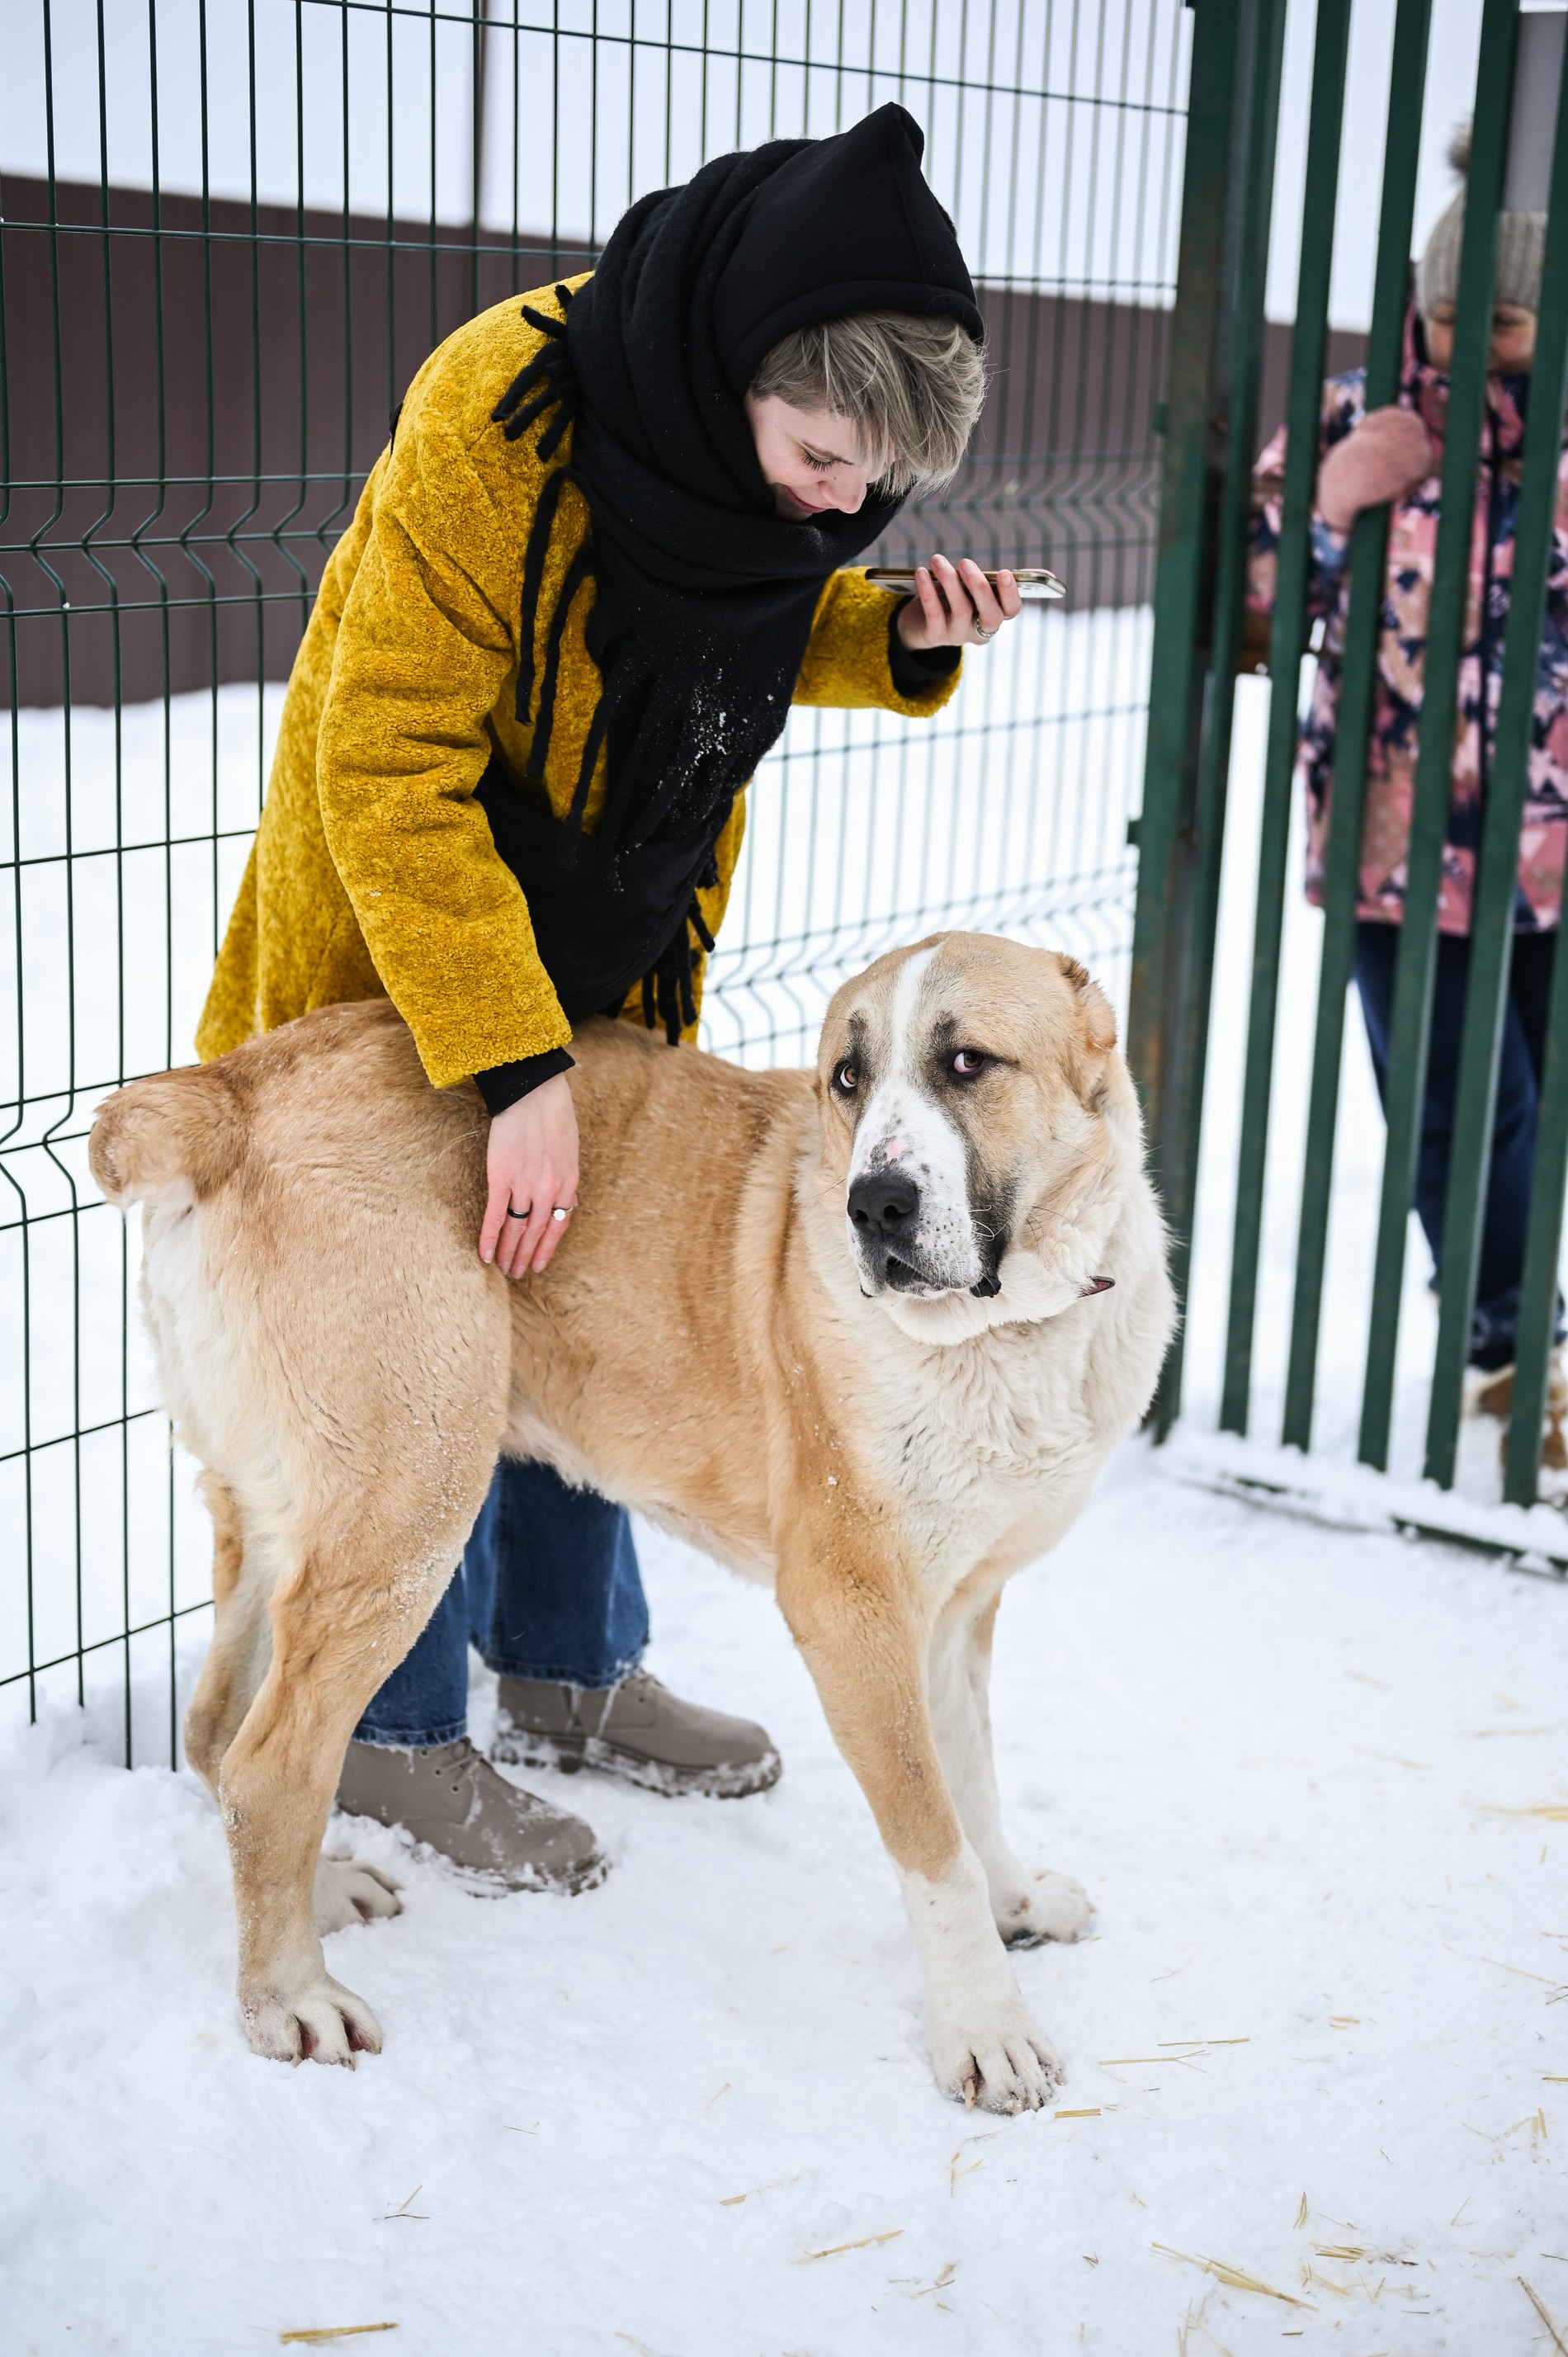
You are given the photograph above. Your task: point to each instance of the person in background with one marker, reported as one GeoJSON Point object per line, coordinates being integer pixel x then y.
{"type": "Point", "coordinates": [608, 544]}
{"type": "Point", "coordinates": [1395, 455]}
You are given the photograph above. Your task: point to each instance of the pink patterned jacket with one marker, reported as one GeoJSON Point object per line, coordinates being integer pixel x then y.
{"type": "Point", "coordinates": [1401, 655]}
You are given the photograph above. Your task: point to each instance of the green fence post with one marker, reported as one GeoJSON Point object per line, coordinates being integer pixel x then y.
{"type": "Point", "coordinates": [1187, 490]}
{"type": "Point", "coordinates": [1235, 54]}
{"type": "Point", "coordinates": [1440, 691]}
{"type": "Point", "coordinates": [1543, 1240]}
{"type": "Point", "coordinates": [1254, 186]}
{"type": "Point", "coordinates": [1308, 344]}
{"type": "Point", "coordinates": [1358, 681]}
{"type": "Point", "coordinates": [1491, 934]}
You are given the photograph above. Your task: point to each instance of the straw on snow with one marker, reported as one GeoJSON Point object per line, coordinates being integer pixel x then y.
{"type": "Point", "coordinates": [1234, 2278]}
{"type": "Point", "coordinates": [1544, 2313]}
{"type": "Point", "coordinates": [833, 2249]}
{"type": "Point", "coordinates": [337, 2332]}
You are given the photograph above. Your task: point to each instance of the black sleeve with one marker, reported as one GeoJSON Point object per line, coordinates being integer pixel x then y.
{"type": "Point", "coordinates": [914, 673]}
{"type": "Point", "coordinates": [504, 1084]}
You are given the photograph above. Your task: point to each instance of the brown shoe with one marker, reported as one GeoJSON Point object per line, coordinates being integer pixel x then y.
{"type": "Point", "coordinates": [1492, 1394]}
{"type": "Point", "coordinates": [638, 1730]}
{"type": "Point", "coordinates": [497, 1837]}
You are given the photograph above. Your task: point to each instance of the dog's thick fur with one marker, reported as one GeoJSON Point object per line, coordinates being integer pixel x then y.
{"type": "Point", "coordinates": [848, 1331]}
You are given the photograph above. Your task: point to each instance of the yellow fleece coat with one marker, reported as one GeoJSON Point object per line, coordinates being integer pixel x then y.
{"type": "Point", "coordinates": [374, 872]}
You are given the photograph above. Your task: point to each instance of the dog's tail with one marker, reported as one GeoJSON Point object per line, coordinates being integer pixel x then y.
{"type": "Point", "coordinates": [177, 1134]}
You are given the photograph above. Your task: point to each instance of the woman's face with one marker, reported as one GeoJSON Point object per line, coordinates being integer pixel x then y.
{"type": "Point", "coordinates": [811, 461]}
{"type": "Point", "coordinates": [1513, 339]}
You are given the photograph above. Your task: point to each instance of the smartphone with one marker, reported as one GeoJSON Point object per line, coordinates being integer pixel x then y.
{"type": "Point", "coordinates": [1033, 580]}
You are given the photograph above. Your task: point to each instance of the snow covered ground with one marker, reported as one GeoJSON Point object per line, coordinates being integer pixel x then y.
{"type": "Point", "coordinates": [1316, 1784]}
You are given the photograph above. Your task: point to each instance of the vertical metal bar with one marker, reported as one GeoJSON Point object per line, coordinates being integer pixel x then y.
{"type": "Point", "coordinates": [1543, 1242]}
{"type": "Point", "coordinates": [393, 380]}
{"type": "Point", "coordinates": [1363, 621]}
{"type": "Point", "coordinates": [1252, 200]}
{"type": "Point", "coordinates": [1440, 690]}
{"type": "Point", "coordinates": [1491, 932]}
{"type": "Point", "coordinates": [1177, 660]}
{"type": "Point", "coordinates": [1308, 344]}
{"type": "Point", "coordinates": [476, 151]}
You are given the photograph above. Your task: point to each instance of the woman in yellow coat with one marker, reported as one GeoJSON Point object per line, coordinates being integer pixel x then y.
{"type": "Point", "coordinates": [603, 552]}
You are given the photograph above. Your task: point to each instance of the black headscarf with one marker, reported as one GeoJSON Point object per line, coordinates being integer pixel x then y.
{"type": "Point", "coordinates": [705, 593]}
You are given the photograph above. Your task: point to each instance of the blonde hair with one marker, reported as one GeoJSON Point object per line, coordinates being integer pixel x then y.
{"type": "Point", "coordinates": [912, 387]}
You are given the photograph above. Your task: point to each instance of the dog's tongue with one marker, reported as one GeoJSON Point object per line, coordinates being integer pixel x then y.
{"type": "Point", "coordinates": [1095, 1285]}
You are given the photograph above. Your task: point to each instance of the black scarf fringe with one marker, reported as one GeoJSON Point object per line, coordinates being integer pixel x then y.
{"type": "Point", "coordinates": [546, 383]}
{"type": "Point", "coordinates": [668, 991]}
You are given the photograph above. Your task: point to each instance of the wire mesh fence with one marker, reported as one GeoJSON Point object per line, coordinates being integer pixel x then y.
{"type": "Point", "coordinates": [231, 230]}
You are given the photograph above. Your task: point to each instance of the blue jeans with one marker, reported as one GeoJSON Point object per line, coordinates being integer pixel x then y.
{"type": "Point", "coordinates": [548, 1588]}
{"type": "Point", "coordinates": [1494, 1332]}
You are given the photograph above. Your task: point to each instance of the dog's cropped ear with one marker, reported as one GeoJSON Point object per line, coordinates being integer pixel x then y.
{"type": "Point", "coordinates": [1098, 1019]}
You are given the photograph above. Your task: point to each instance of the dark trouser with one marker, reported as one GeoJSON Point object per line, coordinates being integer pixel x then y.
{"type": "Point", "coordinates": [1495, 1329]}
{"type": "Point", "coordinates": [548, 1588]}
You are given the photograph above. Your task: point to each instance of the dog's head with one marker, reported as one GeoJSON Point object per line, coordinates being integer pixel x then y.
{"type": "Point", "coordinates": [979, 1132]}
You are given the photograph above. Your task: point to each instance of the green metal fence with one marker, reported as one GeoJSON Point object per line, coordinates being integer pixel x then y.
{"type": "Point", "coordinates": [1213, 440]}
{"type": "Point", "coordinates": [230, 231]}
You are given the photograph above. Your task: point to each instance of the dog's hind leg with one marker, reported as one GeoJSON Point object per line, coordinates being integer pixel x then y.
{"type": "Point", "coordinates": [237, 1657]}
{"type": "Point", "coordinates": [336, 1634]}
{"type": "Point", "coordinates": [345, 1891]}
{"type": "Point", "coordinates": [1025, 1908]}
{"type": "Point", "coordinates": [853, 1622]}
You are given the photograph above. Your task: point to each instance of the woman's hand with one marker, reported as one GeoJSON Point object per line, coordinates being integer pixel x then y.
{"type": "Point", "coordinates": [955, 606]}
{"type": "Point", "coordinates": [1384, 457]}
{"type": "Point", "coordinates": [533, 1169]}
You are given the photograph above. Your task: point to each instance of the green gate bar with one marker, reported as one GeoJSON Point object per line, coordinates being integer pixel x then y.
{"type": "Point", "coordinates": [1357, 682]}
{"type": "Point", "coordinates": [1417, 959]}
{"type": "Point", "coordinates": [1235, 61]}
{"type": "Point", "coordinates": [1543, 1240]}
{"type": "Point", "coordinates": [1252, 200]}
{"type": "Point", "coordinates": [1177, 662]}
{"type": "Point", "coordinates": [1308, 345]}
{"type": "Point", "coordinates": [1491, 933]}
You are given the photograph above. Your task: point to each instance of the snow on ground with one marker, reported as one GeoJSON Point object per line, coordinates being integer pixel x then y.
{"type": "Point", "coordinates": [1315, 2039]}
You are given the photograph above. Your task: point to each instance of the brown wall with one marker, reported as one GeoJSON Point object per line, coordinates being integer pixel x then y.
{"type": "Point", "coordinates": [190, 399]}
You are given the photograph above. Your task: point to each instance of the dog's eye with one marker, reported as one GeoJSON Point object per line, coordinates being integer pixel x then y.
{"type": "Point", "coordinates": [968, 1062]}
{"type": "Point", "coordinates": [846, 1078]}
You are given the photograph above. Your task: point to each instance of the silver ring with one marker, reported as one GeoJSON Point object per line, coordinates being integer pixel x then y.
{"type": "Point", "coordinates": [985, 636]}
{"type": "Point", "coordinates": [563, 1211]}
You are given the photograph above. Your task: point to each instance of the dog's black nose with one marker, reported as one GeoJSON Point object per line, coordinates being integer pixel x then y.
{"type": "Point", "coordinates": [883, 1203]}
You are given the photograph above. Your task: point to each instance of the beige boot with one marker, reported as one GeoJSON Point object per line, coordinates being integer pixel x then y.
{"type": "Point", "coordinates": [1492, 1394]}
{"type": "Point", "coordinates": [497, 1837]}
{"type": "Point", "coordinates": [638, 1730]}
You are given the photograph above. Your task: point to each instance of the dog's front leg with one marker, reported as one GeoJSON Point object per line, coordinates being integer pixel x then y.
{"type": "Point", "coordinates": [851, 1617]}
{"type": "Point", "coordinates": [1026, 1907]}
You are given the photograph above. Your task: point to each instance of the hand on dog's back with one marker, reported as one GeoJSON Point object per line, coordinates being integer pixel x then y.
{"type": "Point", "coordinates": [532, 1173]}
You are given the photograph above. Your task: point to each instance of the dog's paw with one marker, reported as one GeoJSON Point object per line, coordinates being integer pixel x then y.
{"type": "Point", "coordinates": [345, 1892]}
{"type": "Point", "coordinates": [322, 2022]}
{"type": "Point", "coordinates": [1003, 2063]}
{"type": "Point", "coordinates": [1046, 1907]}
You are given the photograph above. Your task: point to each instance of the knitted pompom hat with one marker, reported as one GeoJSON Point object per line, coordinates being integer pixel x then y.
{"type": "Point", "coordinates": [1522, 249]}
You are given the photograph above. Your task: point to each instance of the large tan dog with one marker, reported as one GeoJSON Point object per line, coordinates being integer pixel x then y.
{"type": "Point", "coordinates": [852, 1331]}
